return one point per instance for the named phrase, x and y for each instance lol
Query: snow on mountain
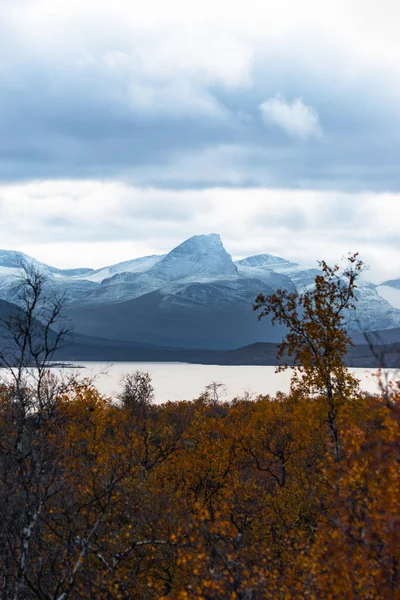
(214, 292)
(200, 255)
(303, 279)
(12, 262)
(373, 311)
(197, 275)
(137, 265)
(6, 272)
(122, 287)
(71, 272)
(292, 273)
(274, 280)
(198, 259)
(377, 307)
(265, 261)
(394, 283)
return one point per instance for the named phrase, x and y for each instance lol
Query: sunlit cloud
(295, 118)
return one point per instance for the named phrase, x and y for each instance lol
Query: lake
(181, 381)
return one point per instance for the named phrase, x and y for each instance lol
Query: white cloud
(366, 28)
(93, 223)
(213, 42)
(170, 74)
(295, 118)
(174, 59)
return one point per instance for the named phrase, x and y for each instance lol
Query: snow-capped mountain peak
(202, 255)
(12, 259)
(13, 262)
(197, 274)
(136, 265)
(265, 261)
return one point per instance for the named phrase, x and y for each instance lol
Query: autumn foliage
(246, 499)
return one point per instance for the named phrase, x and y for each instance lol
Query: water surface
(181, 381)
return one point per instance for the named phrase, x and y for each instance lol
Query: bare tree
(30, 335)
(214, 391)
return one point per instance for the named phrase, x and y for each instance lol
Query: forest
(292, 496)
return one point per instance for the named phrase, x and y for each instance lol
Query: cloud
(296, 119)
(91, 223)
(169, 94)
(89, 210)
(127, 127)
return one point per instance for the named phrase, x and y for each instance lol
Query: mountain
(84, 349)
(376, 309)
(287, 275)
(197, 315)
(12, 261)
(13, 328)
(196, 296)
(394, 283)
(193, 296)
(137, 265)
(66, 281)
(199, 256)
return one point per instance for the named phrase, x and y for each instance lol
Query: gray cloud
(122, 131)
(138, 108)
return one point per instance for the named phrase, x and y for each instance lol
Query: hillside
(195, 296)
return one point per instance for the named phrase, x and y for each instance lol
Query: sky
(126, 127)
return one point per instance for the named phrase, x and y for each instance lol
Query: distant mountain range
(195, 296)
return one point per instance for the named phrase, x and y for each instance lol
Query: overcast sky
(127, 126)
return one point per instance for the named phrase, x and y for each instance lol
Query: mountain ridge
(194, 295)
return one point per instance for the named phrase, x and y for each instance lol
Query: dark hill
(176, 320)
